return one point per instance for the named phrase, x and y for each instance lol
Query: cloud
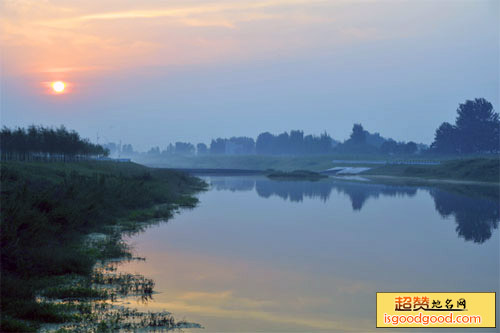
(194, 10)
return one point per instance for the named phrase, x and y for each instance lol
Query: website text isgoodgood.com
(425, 320)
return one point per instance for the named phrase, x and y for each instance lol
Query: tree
(358, 135)
(40, 143)
(154, 151)
(297, 141)
(410, 148)
(184, 148)
(218, 146)
(201, 149)
(445, 139)
(127, 149)
(389, 147)
(264, 144)
(240, 145)
(477, 124)
(476, 130)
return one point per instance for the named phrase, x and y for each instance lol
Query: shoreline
(79, 213)
(430, 180)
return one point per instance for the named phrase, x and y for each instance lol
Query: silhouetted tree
(476, 130)
(201, 149)
(239, 146)
(218, 146)
(41, 143)
(358, 135)
(184, 148)
(410, 148)
(264, 144)
(446, 139)
(294, 143)
(478, 126)
(389, 147)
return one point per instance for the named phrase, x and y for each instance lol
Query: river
(301, 256)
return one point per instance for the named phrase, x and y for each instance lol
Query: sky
(154, 72)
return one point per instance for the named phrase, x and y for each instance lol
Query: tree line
(476, 130)
(46, 144)
(291, 143)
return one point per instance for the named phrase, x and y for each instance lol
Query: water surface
(264, 255)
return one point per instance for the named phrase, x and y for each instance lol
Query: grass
(469, 168)
(47, 210)
(246, 162)
(283, 163)
(477, 169)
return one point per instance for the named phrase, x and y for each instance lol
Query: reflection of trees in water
(476, 217)
(294, 191)
(357, 192)
(476, 210)
(360, 192)
(240, 183)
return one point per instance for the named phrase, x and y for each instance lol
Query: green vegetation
(478, 169)
(286, 163)
(296, 175)
(257, 162)
(47, 211)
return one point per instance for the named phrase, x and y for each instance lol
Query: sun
(58, 86)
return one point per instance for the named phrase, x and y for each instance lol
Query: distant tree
(358, 135)
(281, 144)
(127, 149)
(297, 142)
(264, 143)
(169, 150)
(446, 139)
(154, 151)
(389, 147)
(410, 148)
(112, 147)
(357, 142)
(294, 143)
(392, 147)
(374, 139)
(184, 148)
(218, 146)
(201, 149)
(240, 145)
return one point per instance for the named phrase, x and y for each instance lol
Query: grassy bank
(259, 162)
(47, 211)
(249, 162)
(479, 170)
(470, 168)
(284, 163)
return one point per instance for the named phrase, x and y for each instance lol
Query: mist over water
(310, 256)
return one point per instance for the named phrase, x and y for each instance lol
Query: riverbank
(48, 211)
(296, 175)
(450, 168)
(484, 170)
(317, 163)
